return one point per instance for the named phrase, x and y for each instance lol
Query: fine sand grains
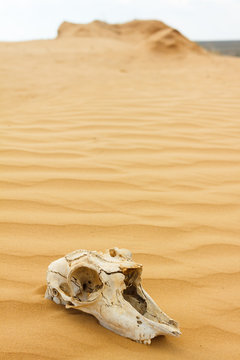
(103, 146)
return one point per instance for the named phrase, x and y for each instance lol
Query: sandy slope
(104, 145)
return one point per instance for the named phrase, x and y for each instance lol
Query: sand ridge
(147, 35)
(101, 147)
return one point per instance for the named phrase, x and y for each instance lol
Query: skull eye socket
(85, 283)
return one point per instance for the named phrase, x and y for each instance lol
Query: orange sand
(128, 140)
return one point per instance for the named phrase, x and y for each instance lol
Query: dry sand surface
(123, 136)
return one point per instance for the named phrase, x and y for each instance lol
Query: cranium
(108, 286)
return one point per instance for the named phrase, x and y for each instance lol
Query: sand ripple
(100, 151)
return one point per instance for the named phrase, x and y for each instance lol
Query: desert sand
(122, 136)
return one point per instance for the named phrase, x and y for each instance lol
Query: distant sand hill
(145, 34)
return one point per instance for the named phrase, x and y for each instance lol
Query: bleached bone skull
(108, 286)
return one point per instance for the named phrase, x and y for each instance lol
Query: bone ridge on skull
(108, 286)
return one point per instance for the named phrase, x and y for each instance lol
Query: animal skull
(108, 286)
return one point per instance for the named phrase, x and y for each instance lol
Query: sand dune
(147, 35)
(105, 143)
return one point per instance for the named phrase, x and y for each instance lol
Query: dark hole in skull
(132, 293)
(135, 296)
(85, 281)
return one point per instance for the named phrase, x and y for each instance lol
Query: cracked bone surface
(108, 286)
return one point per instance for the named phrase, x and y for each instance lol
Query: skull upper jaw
(131, 312)
(124, 307)
(128, 322)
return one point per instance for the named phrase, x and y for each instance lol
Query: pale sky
(197, 19)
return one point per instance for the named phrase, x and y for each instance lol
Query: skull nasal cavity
(133, 293)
